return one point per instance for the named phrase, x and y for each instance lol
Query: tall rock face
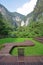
(37, 14)
(28, 18)
(38, 10)
(11, 18)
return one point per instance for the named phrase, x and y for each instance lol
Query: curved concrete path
(7, 59)
(5, 51)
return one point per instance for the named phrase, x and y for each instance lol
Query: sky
(21, 6)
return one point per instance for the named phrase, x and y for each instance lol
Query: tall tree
(3, 27)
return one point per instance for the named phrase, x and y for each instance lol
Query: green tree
(4, 30)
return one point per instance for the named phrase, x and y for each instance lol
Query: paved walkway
(30, 60)
(7, 59)
(21, 59)
(5, 51)
(40, 39)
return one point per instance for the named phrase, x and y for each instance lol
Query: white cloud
(27, 7)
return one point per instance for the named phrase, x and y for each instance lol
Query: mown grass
(11, 40)
(28, 51)
(35, 50)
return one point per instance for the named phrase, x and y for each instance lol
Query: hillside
(38, 11)
(11, 18)
(19, 25)
(34, 21)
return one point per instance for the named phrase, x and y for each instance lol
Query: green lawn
(28, 51)
(11, 40)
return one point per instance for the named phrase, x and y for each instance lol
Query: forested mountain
(38, 11)
(37, 14)
(35, 23)
(11, 18)
(14, 24)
